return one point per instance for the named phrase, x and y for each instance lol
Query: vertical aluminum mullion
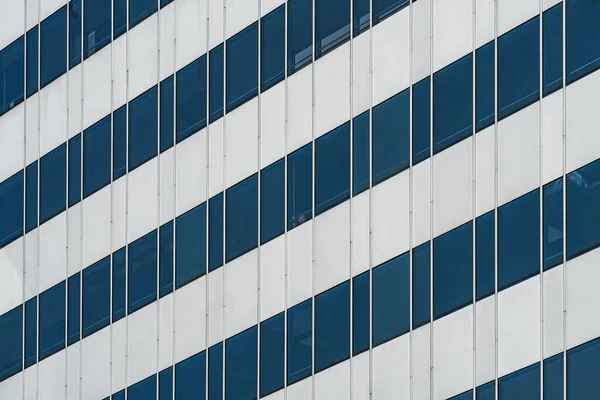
(313, 197)
(207, 202)
(112, 217)
(174, 199)
(224, 186)
(81, 242)
(431, 205)
(158, 199)
(285, 197)
(39, 195)
(370, 192)
(66, 231)
(127, 202)
(351, 192)
(474, 195)
(541, 190)
(259, 161)
(410, 201)
(496, 199)
(24, 203)
(564, 195)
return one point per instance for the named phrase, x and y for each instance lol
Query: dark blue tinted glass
(190, 246)
(143, 128)
(332, 25)
(118, 284)
(189, 378)
(96, 297)
(191, 98)
(583, 213)
(73, 308)
(120, 17)
(96, 157)
(553, 378)
(242, 67)
(164, 3)
(464, 396)
(391, 299)
(519, 239)
(119, 142)
(96, 25)
(32, 61)
(299, 186)
(31, 196)
(74, 170)
(299, 34)
(553, 223)
(272, 48)
(215, 372)
(272, 201)
(216, 81)
(552, 48)
(485, 259)
(583, 38)
(421, 280)
(166, 259)
(332, 326)
(143, 390)
(299, 339)
(384, 8)
(361, 312)
(12, 75)
(53, 183)
(74, 33)
(11, 209)
(241, 359)
(487, 391)
(523, 384)
(362, 13)
(141, 278)
(215, 232)
(118, 396)
(52, 320)
(53, 47)
(241, 221)
(421, 121)
(165, 384)
(453, 103)
(332, 169)
(518, 68)
(484, 86)
(272, 337)
(583, 363)
(30, 332)
(167, 109)
(391, 137)
(139, 10)
(361, 153)
(11, 342)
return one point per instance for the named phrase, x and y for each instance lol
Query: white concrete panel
(269, 5)
(332, 90)
(11, 275)
(485, 340)
(53, 251)
(512, 13)
(53, 115)
(12, 388)
(421, 205)
(391, 43)
(240, 14)
(272, 278)
(190, 319)
(95, 366)
(360, 376)
(519, 326)
(453, 353)
(332, 247)
(190, 31)
(167, 188)
(31, 264)
(143, 200)
(279, 395)
(272, 120)
(241, 293)
(167, 41)
(421, 40)
(390, 223)
(361, 75)
(75, 100)
(360, 233)
(583, 298)
(215, 23)
(452, 187)
(119, 93)
(301, 390)
(30, 384)
(143, 56)
(241, 142)
(142, 354)
(583, 117)
(32, 133)
(299, 105)
(215, 306)
(48, 7)
(552, 136)
(11, 20)
(484, 173)
(215, 158)
(452, 31)
(518, 154)
(74, 239)
(334, 382)
(119, 355)
(553, 311)
(421, 354)
(32, 11)
(52, 379)
(165, 332)
(391, 370)
(299, 263)
(484, 14)
(190, 171)
(12, 135)
(96, 226)
(97, 86)
(119, 214)
(73, 381)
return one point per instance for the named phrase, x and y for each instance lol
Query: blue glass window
(53, 183)
(241, 358)
(332, 326)
(272, 48)
(96, 25)
(30, 332)
(165, 384)
(190, 246)
(120, 17)
(11, 343)
(52, 320)
(299, 34)
(553, 378)
(468, 395)
(421, 121)
(31, 196)
(74, 33)
(485, 86)
(362, 14)
(361, 153)
(215, 232)
(583, 38)
(583, 363)
(552, 49)
(74, 170)
(191, 98)
(96, 157)
(361, 294)
(299, 186)
(384, 8)
(272, 201)
(332, 169)
(96, 297)
(583, 213)
(53, 47)
(12, 75)
(187, 384)
(73, 302)
(486, 391)
(242, 67)
(522, 384)
(553, 223)
(215, 372)
(332, 25)
(518, 68)
(164, 3)
(119, 142)
(120, 395)
(391, 137)
(216, 81)
(241, 221)
(11, 209)
(118, 284)
(453, 103)
(519, 239)
(166, 259)
(32, 61)
(139, 10)
(421, 280)
(299, 340)
(485, 258)
(391, 299)
(143, 390)
(143, 128)
(167, 110)
(141, 266)
(272, 337)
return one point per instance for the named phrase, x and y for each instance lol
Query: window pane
(391, 301)
(384, 8)
(189, 378)
(299, 34)
(96, 157)
(118, 284)
(215, 372)
(272, 201)
(74, 33)
(464, 396)
(241, 355)
(487, 391)
(519, 240)
(583, 38)
(12, 75)
(141, 279)
(74, 170)
(143, 128)
(332, 164)
(583, 363)
(164, 3)
(552, 48)
(52, 320)
(216, 71)
(299, 339)
(361, 16)
(421, 121)
(518, 68)
(120, 17)
(421, 278)
(32, 61)
(143, 390)
(553, 378)
(485, 257)
(53, 47)
(272, 48)
(167, 108)
(73, 308)
(119, 142)
(190, 246)
(191, 98)
(31, 318)
(242, 67)
(11, 209)
(553, 223)
(391, 140)
(139, 10)
(361, 153)
(272, 337)
(96, 25)
(120, 395)
(332, 25)
(299, 186)
(485, 86)
(96, 297)
(165, 384)
(215, 233)
(166, 259)
(53, 183)
(241, 221)
(361, 295)
(332, 326)
(31, 197)
(523, 384)
(11, 342)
